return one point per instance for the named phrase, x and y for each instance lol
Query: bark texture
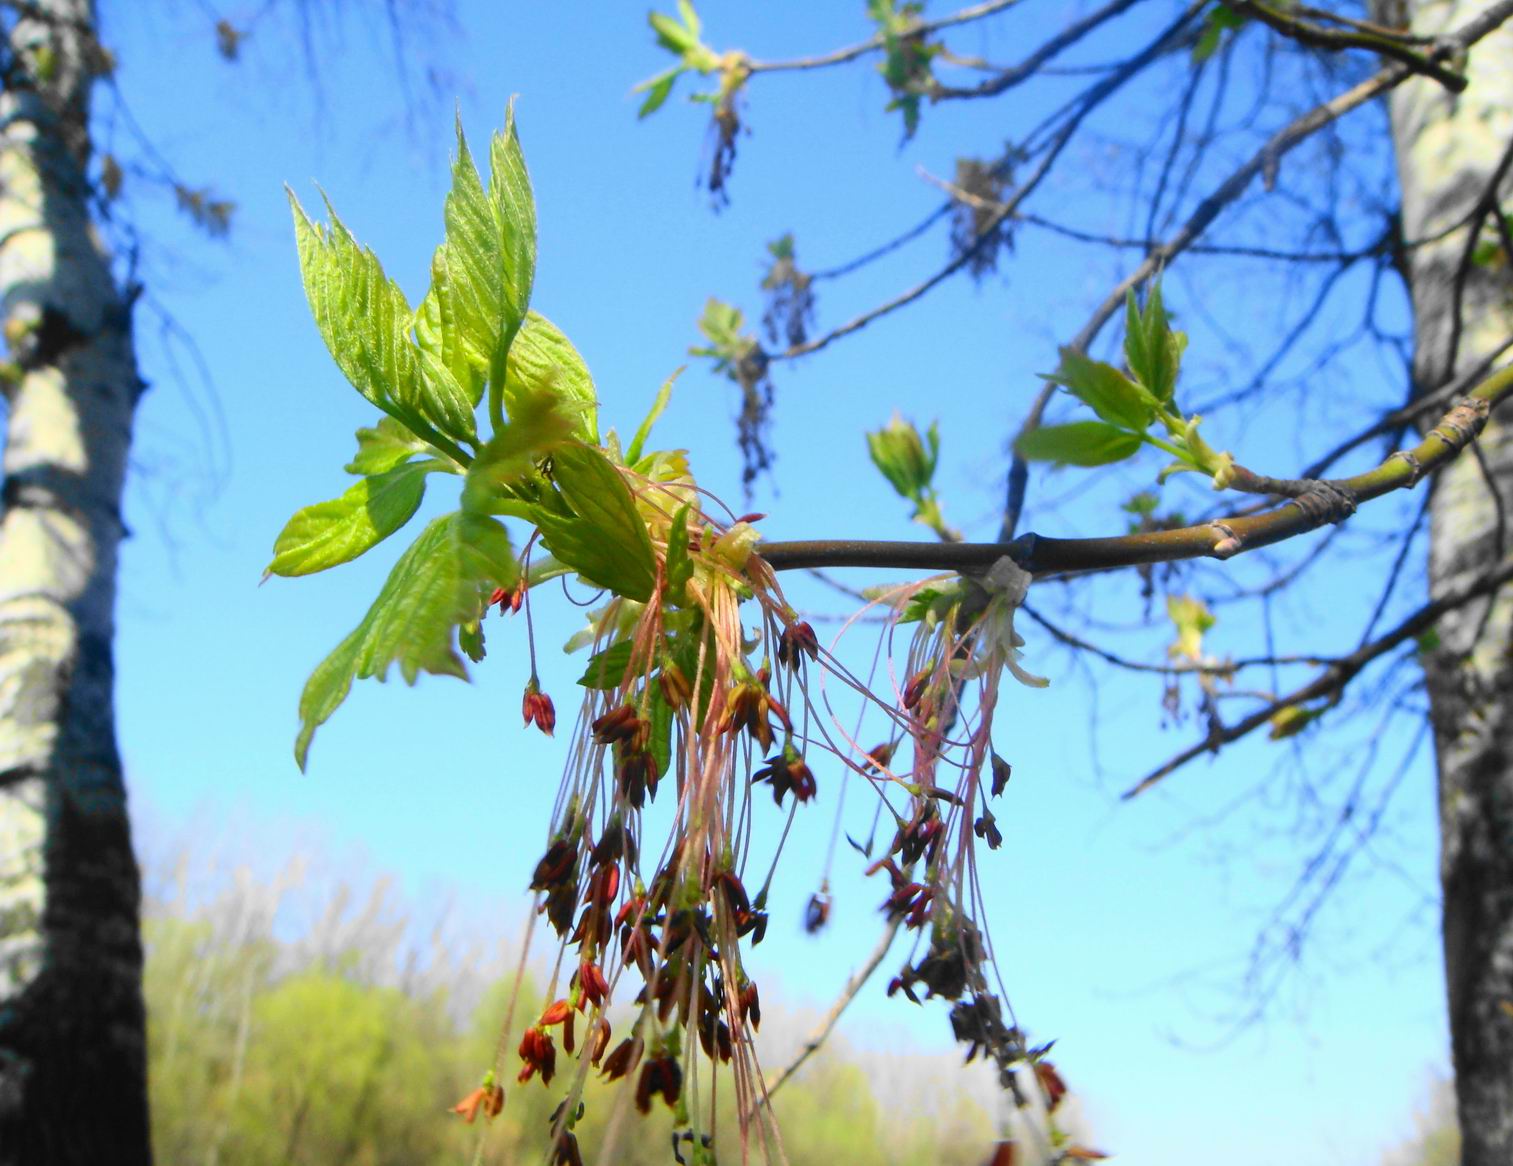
(1449, 149)
(72, 1031)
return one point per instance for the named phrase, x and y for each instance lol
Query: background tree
(72, 1041)
(1266, 146)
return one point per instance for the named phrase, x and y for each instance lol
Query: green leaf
(542, 359)
(496, 480)
(690, 18)
(679, 565)
(1153, 350)
(671, 35)
(436, 585)
(384, 446)
(361, 314)
(659, 741)
(657, 89)
(1081, 443)
(1192, 618)
(603, 537)
(337, 531)
(664, 394)
(1107, 391)
(482, 275)
(606, 670)
(470, 640)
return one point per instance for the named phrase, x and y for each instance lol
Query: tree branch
(1332, 680)
(1221, 538)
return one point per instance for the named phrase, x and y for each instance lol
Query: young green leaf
(607, 669)
(659, 741)
(542, 359)
(1153, 350)
(1080, 443)
(361, 313)
(899, 452)
(1107, 391)
(436, 585)
(384, 446)
(500, 477)
(657, 89)
(671, 35)
(643, 431)
(329, 533)
(482, 274)
(679, 565)
(602, 537)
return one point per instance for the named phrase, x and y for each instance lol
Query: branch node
(1325, 502)
(1466, 419)
(1229, 545)
(1415, 467)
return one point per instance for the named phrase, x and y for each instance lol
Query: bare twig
(1329, 683)
(816, 1039)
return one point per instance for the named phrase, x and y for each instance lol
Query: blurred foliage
(293, 1036)
(1436, 1137)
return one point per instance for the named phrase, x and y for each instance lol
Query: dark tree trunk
(73, 1083)
(1449, 149)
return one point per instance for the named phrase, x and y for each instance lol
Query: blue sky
(1123, 930)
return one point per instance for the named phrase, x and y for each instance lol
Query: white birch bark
(72, 1047)
(1448, 148)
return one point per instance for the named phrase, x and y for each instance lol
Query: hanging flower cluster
(703, 688)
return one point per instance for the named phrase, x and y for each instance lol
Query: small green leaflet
(602, 537)
(657, 90)
(660, 739)
(1081, 443)
(607, 669)
(499, 479)
(542, 359)
(435, 586)
(664, 394)
(329, 533)
(898, 451)
(679, 564)
(383, 447)
(1153, 350)
(1107, 391)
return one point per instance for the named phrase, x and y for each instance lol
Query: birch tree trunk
(1448, 149)
(72, 1045)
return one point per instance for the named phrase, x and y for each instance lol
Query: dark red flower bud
(556, 1012)
(537, 709)
(914, 691)
(817, 913)
(598, 1040)
(797, 641)
(623, 1060)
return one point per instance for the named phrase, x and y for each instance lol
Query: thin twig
(821, 1033)
(1333, 679)
(872, 45)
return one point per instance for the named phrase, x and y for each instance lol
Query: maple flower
(538, 1055)
(788, 774)
(797, 641)
(659, 1075)
(537, 709)
(488, 1097)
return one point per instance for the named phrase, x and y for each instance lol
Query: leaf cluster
(1129, 403)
